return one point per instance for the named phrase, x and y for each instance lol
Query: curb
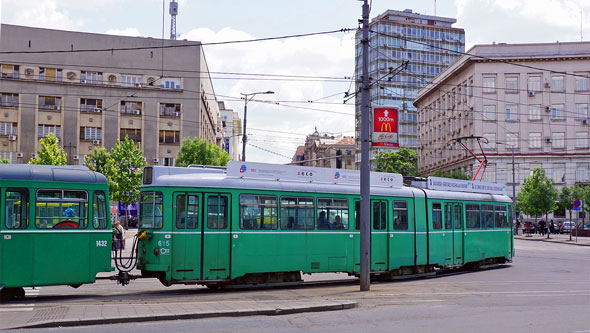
(559, 241)
(263, 311)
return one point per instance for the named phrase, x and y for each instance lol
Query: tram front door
(186, 237)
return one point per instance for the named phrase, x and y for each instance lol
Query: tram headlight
(156, 251)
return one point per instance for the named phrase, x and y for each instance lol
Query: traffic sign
(577, 203)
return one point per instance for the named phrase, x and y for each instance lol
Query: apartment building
(326, 151)
(530, 100)
(396, 37)
(232, 129)
(91, 90)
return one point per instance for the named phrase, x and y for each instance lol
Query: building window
(559, 172)
(489, 84)
(90, 133)
(512, 140)
(534, 112)
(169, 161)
(557, 83)
(90, 105)
(10, 71)
(128, 107)
(7, 129)
(511, 85)
(583, 172)
(511, 112)
(489, 112)
(557, 112)
(534, 140)
(582, 82)
(534, 83)
(558, 140)
(49, 103)
(128, 80)
(90, 77)
(170, 83)
(582, 111)
(44, 130)
(50, 74)
(582, 139)
(170, 110)
(534, 166)
(169, 136)
(9, 100)
(491, 141)
(132, 133)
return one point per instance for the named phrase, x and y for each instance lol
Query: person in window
(338, 223)
(291, 223)
(323, 222)
(69, 212)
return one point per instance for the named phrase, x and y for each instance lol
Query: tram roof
(66, 173)
(216, 178)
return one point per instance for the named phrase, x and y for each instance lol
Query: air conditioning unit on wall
(96, 142)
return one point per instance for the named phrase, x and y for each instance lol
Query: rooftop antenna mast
(434, 7)
(173, 10)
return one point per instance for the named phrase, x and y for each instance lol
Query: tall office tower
(427, 44)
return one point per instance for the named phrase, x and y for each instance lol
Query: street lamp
(247, 98)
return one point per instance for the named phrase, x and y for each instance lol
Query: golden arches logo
(385, 127)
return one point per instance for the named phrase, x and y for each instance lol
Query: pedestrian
(552, 227)
(542, 226)
(516, 227)
(119, 235)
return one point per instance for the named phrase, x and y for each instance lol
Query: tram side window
(487, 214)
(449, 217)
(379, 215)
(500, 216)
(436, 216)
(472, 214)
(99, 210)
(400, 215)
(217, 212)
(61, 209)
(258, 212)
(357, 215)
(297, 213)
(17, 208)
(332, 214)
(458, 217)
(150, 210)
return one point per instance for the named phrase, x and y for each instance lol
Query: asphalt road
(546, 289)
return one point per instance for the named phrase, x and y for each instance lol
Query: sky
(277, 127)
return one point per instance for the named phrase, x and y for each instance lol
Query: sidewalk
(556, 238)
(79, 315)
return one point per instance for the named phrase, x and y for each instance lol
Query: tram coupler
(123, 278)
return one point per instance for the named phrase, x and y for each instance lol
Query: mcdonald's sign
(384, 127)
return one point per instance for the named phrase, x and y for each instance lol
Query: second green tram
(54, 226)
(203, 226)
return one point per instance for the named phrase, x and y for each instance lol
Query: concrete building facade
(232, 130)
(527, 99)
(396, 37)
(154, 91)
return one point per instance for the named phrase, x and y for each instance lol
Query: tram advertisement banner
(385, 127)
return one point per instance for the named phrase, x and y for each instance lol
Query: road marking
(491, 292)
(17, 308)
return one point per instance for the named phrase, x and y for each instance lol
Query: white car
(568, 226)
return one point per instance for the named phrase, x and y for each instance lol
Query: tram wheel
(75, 286)
(164, 282)
(8, 294)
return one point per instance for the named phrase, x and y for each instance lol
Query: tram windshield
(150, 210)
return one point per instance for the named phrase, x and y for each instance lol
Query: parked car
(568, 226)
(528, 228)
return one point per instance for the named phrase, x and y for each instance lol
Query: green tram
(54, 226)
(253, 224)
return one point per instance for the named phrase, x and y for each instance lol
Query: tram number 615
(101, 243)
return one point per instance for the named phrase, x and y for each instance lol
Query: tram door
(186, 237)
(379, 235)
(216, 237)
(458, 234)
(448, 234)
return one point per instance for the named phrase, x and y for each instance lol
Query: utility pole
(247, 98)
(365, 272)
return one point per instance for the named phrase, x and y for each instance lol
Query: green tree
(199, 151)
(126, 164)
(567, 196)
(51, 153)
(99, 161)
(403, 161)
(537, 195)
(453, 174)
(4, 161)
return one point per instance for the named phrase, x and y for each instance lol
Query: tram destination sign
(385, 127)
(448, 184)
(308, 174)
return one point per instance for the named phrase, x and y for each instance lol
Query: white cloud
(325, 55)
(131, 32)
(521, 21)
(40, 13)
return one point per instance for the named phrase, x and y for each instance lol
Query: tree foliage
(199, 151)
(100, 161)
(453, 174)
(537, 195)
(126, 164)
(51, 153)
(583, 193)
(4, 161)
(403, 161)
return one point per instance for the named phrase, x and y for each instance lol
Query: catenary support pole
(365, 272)
(244, 138)
(513, 190)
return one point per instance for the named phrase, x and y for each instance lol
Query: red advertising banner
(385, 127)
